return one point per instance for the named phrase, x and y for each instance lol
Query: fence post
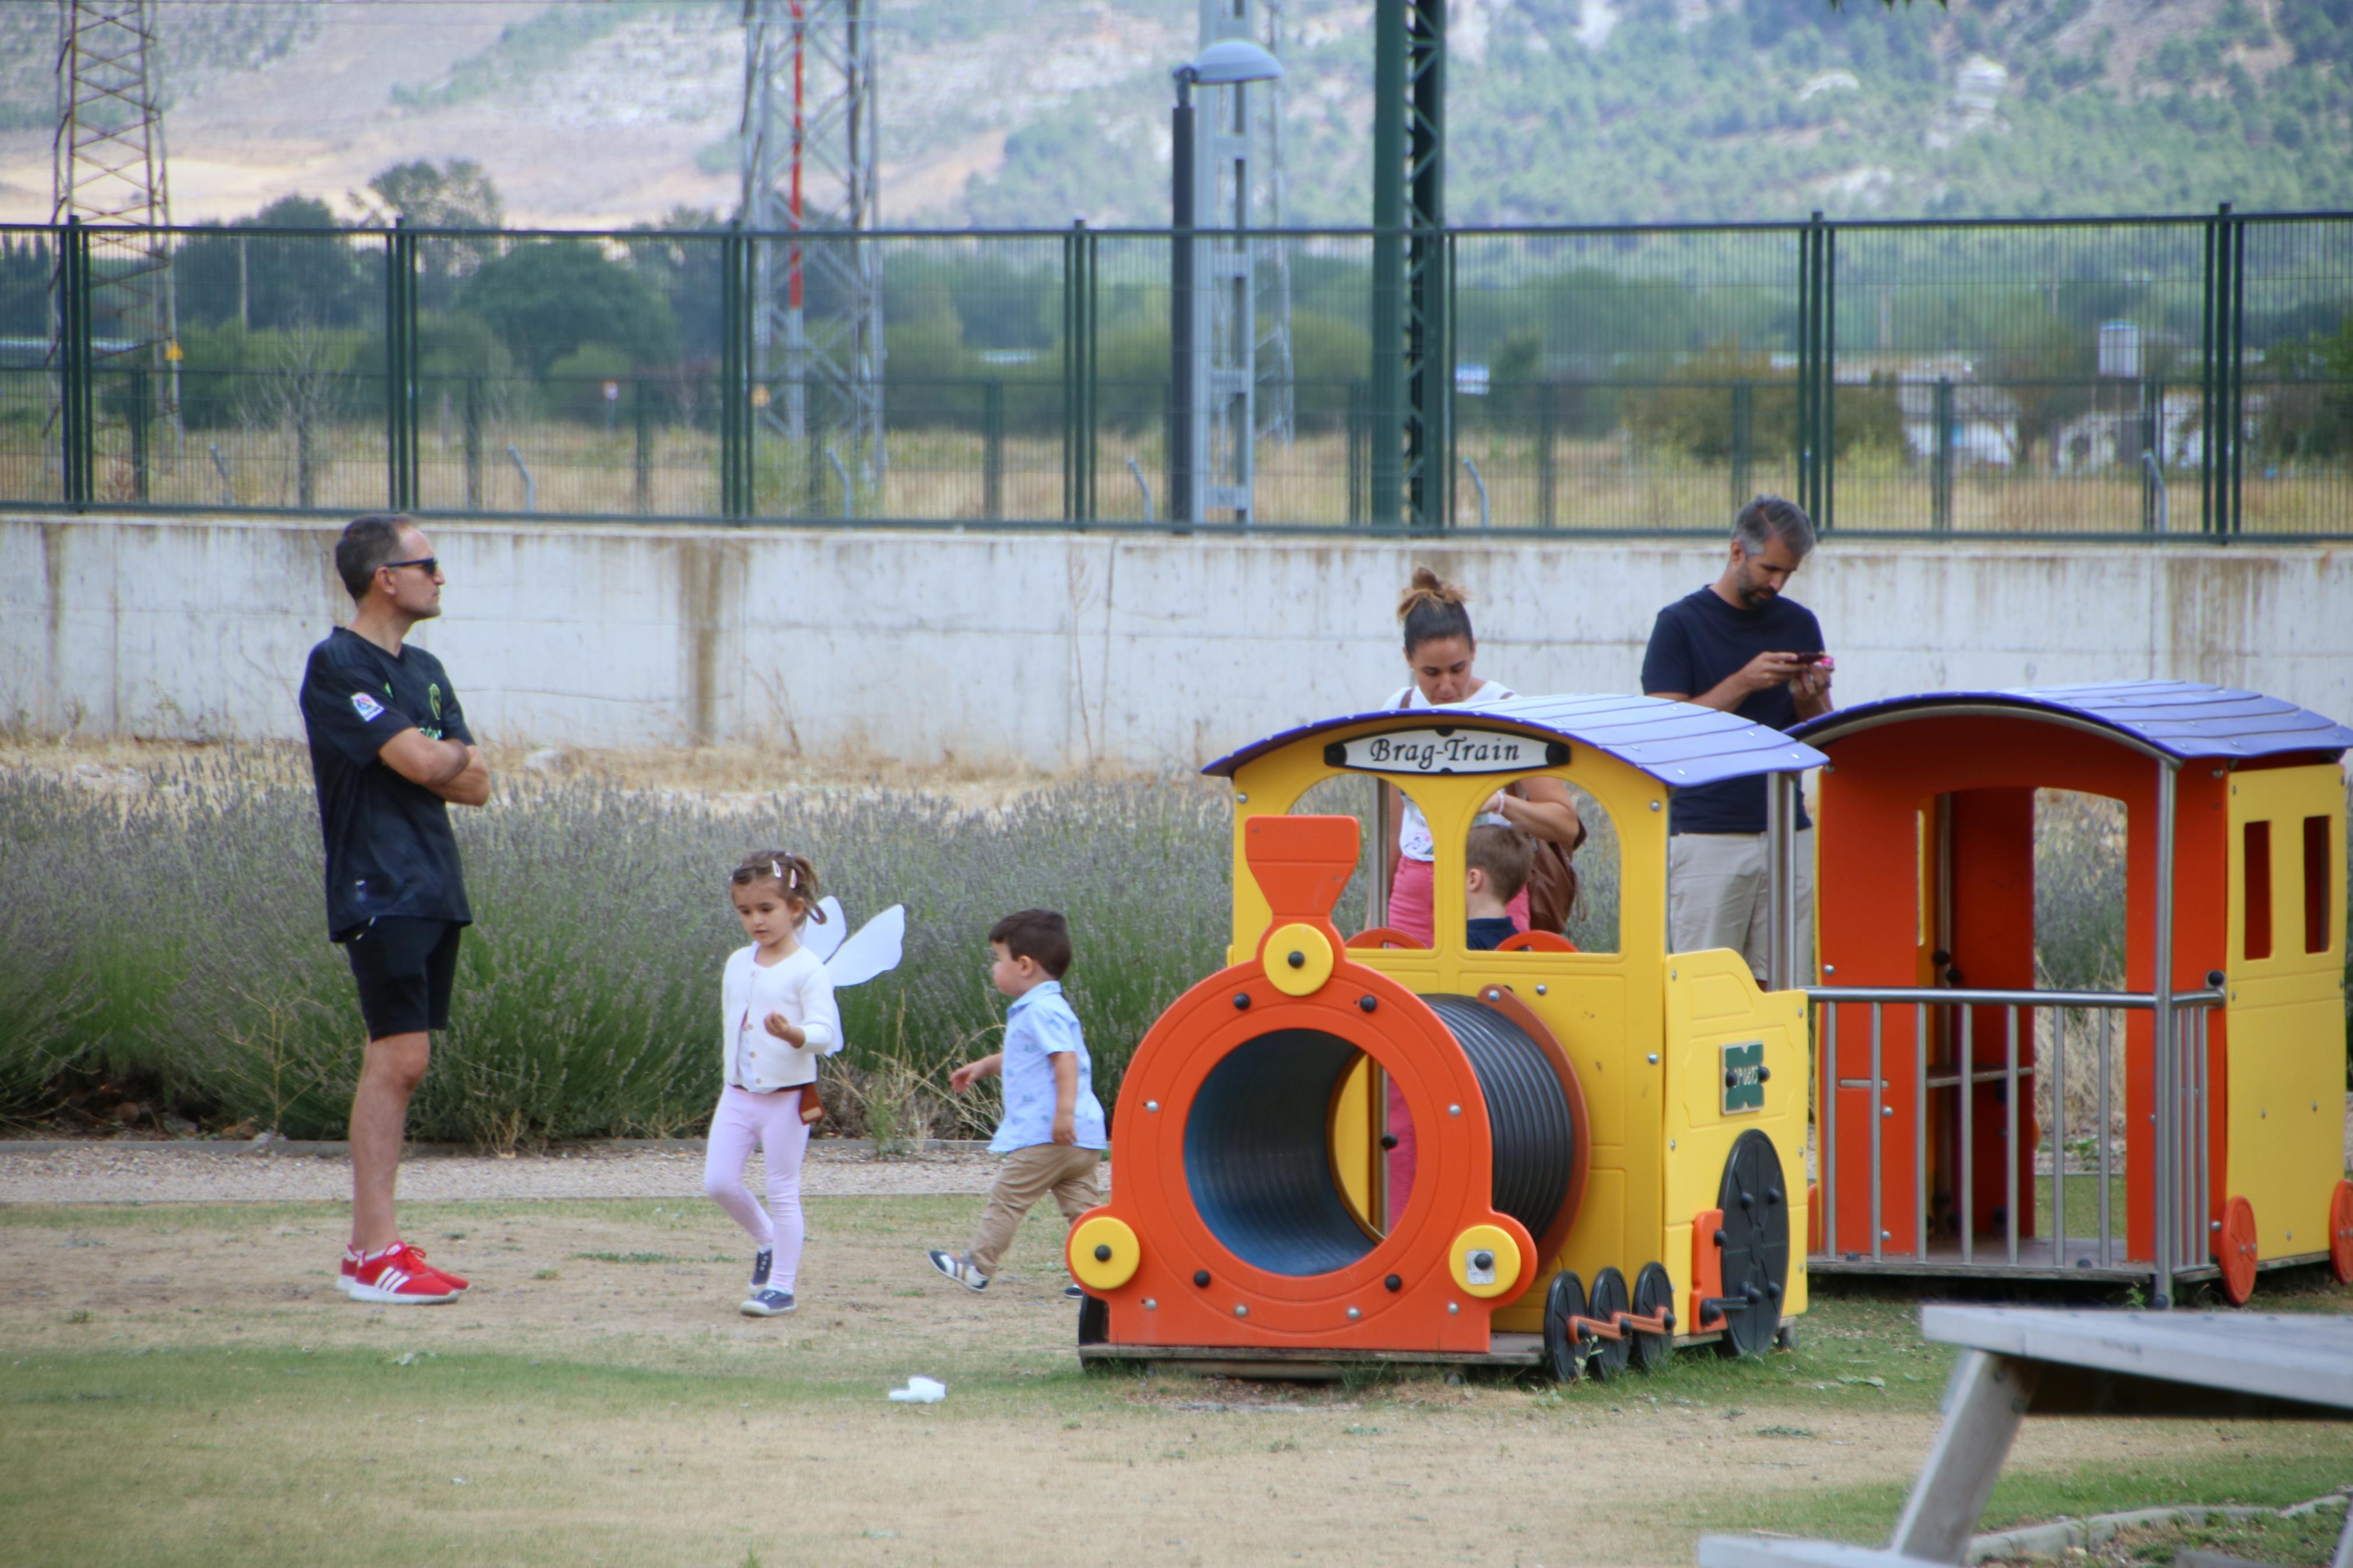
(1070, 409)
(1547, 460)
(641, 415)
(734, 409)
(473, 442)
(400, 366)
(992, 449)
(2152, 449)
(139, 411)
(1357, 419)
(1826, 455)
(2235, 365)
(1808, 365)
(2218, 385)
(76, 407)
(1743, 424)
(1941, 506)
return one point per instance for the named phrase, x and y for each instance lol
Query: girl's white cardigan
(800, 989)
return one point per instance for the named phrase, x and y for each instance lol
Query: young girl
(777, 1017)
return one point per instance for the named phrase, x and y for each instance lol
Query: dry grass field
(596, 1399)
(937, 475)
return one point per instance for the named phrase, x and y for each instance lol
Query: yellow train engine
(1607, 1144)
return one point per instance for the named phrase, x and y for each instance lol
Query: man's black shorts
(404, 968)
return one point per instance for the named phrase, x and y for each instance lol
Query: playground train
(1348, 1146)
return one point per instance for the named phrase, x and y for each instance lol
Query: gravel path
(115, 1173)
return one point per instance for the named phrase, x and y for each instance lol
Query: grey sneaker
(767, 1303)
(762, 1261)
(958, 1268)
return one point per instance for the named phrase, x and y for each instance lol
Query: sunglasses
(431, 564)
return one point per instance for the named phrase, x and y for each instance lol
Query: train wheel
(2340, 1233)
(2235, 1251)
(1756, 1246)
(1654, 1297)
(1094, 1320)
(1564, 1348)
(1609, 1357)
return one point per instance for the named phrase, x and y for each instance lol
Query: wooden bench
(2017, 1360)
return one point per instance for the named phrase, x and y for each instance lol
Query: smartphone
(1809, 657)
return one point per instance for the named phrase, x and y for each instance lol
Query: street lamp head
(1227, 62)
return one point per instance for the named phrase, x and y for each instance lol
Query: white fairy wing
(823, 940)
(875, 950)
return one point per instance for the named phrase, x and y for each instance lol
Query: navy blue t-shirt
(1485, 934)
(1698, 641)
(389, 847)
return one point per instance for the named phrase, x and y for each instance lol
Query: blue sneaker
(768, 1303)
(762, 1261)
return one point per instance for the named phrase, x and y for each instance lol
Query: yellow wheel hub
(1104, 1253)
(1485, 1261)
(1298, 959)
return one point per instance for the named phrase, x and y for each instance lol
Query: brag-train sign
(1446, 749)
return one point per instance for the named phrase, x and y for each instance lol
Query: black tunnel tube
(1258, 1151)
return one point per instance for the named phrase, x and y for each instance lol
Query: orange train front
(1606, 1140)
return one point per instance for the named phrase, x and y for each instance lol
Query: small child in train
(1497, 858)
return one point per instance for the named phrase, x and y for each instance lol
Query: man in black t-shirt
(389, 750)
(1738, 644)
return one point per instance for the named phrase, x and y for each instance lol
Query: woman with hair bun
(1440, 653)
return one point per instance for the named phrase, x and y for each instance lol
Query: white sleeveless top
(1414, 839)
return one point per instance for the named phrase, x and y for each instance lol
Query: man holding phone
(1740, 645)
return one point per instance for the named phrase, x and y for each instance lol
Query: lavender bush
(170, 934)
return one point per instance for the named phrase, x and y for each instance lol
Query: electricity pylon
(109, 167)
(811, 189)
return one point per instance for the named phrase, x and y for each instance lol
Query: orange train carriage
(1609, 1143)
(2189, 1127)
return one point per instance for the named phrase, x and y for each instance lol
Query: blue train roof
(1678, 744)
(2179, 718)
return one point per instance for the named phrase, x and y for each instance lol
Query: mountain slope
(1029, 112)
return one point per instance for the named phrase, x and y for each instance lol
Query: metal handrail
(2141, 1001)
(2178, 1147)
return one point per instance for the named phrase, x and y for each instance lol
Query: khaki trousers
(1718, 896)
(1030, 1174)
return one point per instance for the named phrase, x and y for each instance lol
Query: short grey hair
(1768, 518)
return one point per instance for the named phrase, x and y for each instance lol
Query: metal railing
(2177, 1141)
(1991, 378)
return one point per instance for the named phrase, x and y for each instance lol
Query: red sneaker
(418, 1252)
(399, 1275)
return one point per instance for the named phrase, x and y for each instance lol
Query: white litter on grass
(921, 1391)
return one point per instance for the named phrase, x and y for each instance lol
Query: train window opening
(2315, 884)
(2079, 891)
(2256, 861)
(1350, 795)
(1591, 924)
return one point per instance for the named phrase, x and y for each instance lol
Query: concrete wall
(1064, 651)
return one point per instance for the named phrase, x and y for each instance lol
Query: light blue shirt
(1037, 1026)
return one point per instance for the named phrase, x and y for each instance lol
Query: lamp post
(1226, 63)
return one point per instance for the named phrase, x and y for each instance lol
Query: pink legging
(771, 1122)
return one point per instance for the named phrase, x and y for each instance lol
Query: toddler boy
(1052, 1131)
(1497, 860)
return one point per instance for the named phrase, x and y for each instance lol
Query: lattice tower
(1276, 418)
(108, 168)
(812, 182)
